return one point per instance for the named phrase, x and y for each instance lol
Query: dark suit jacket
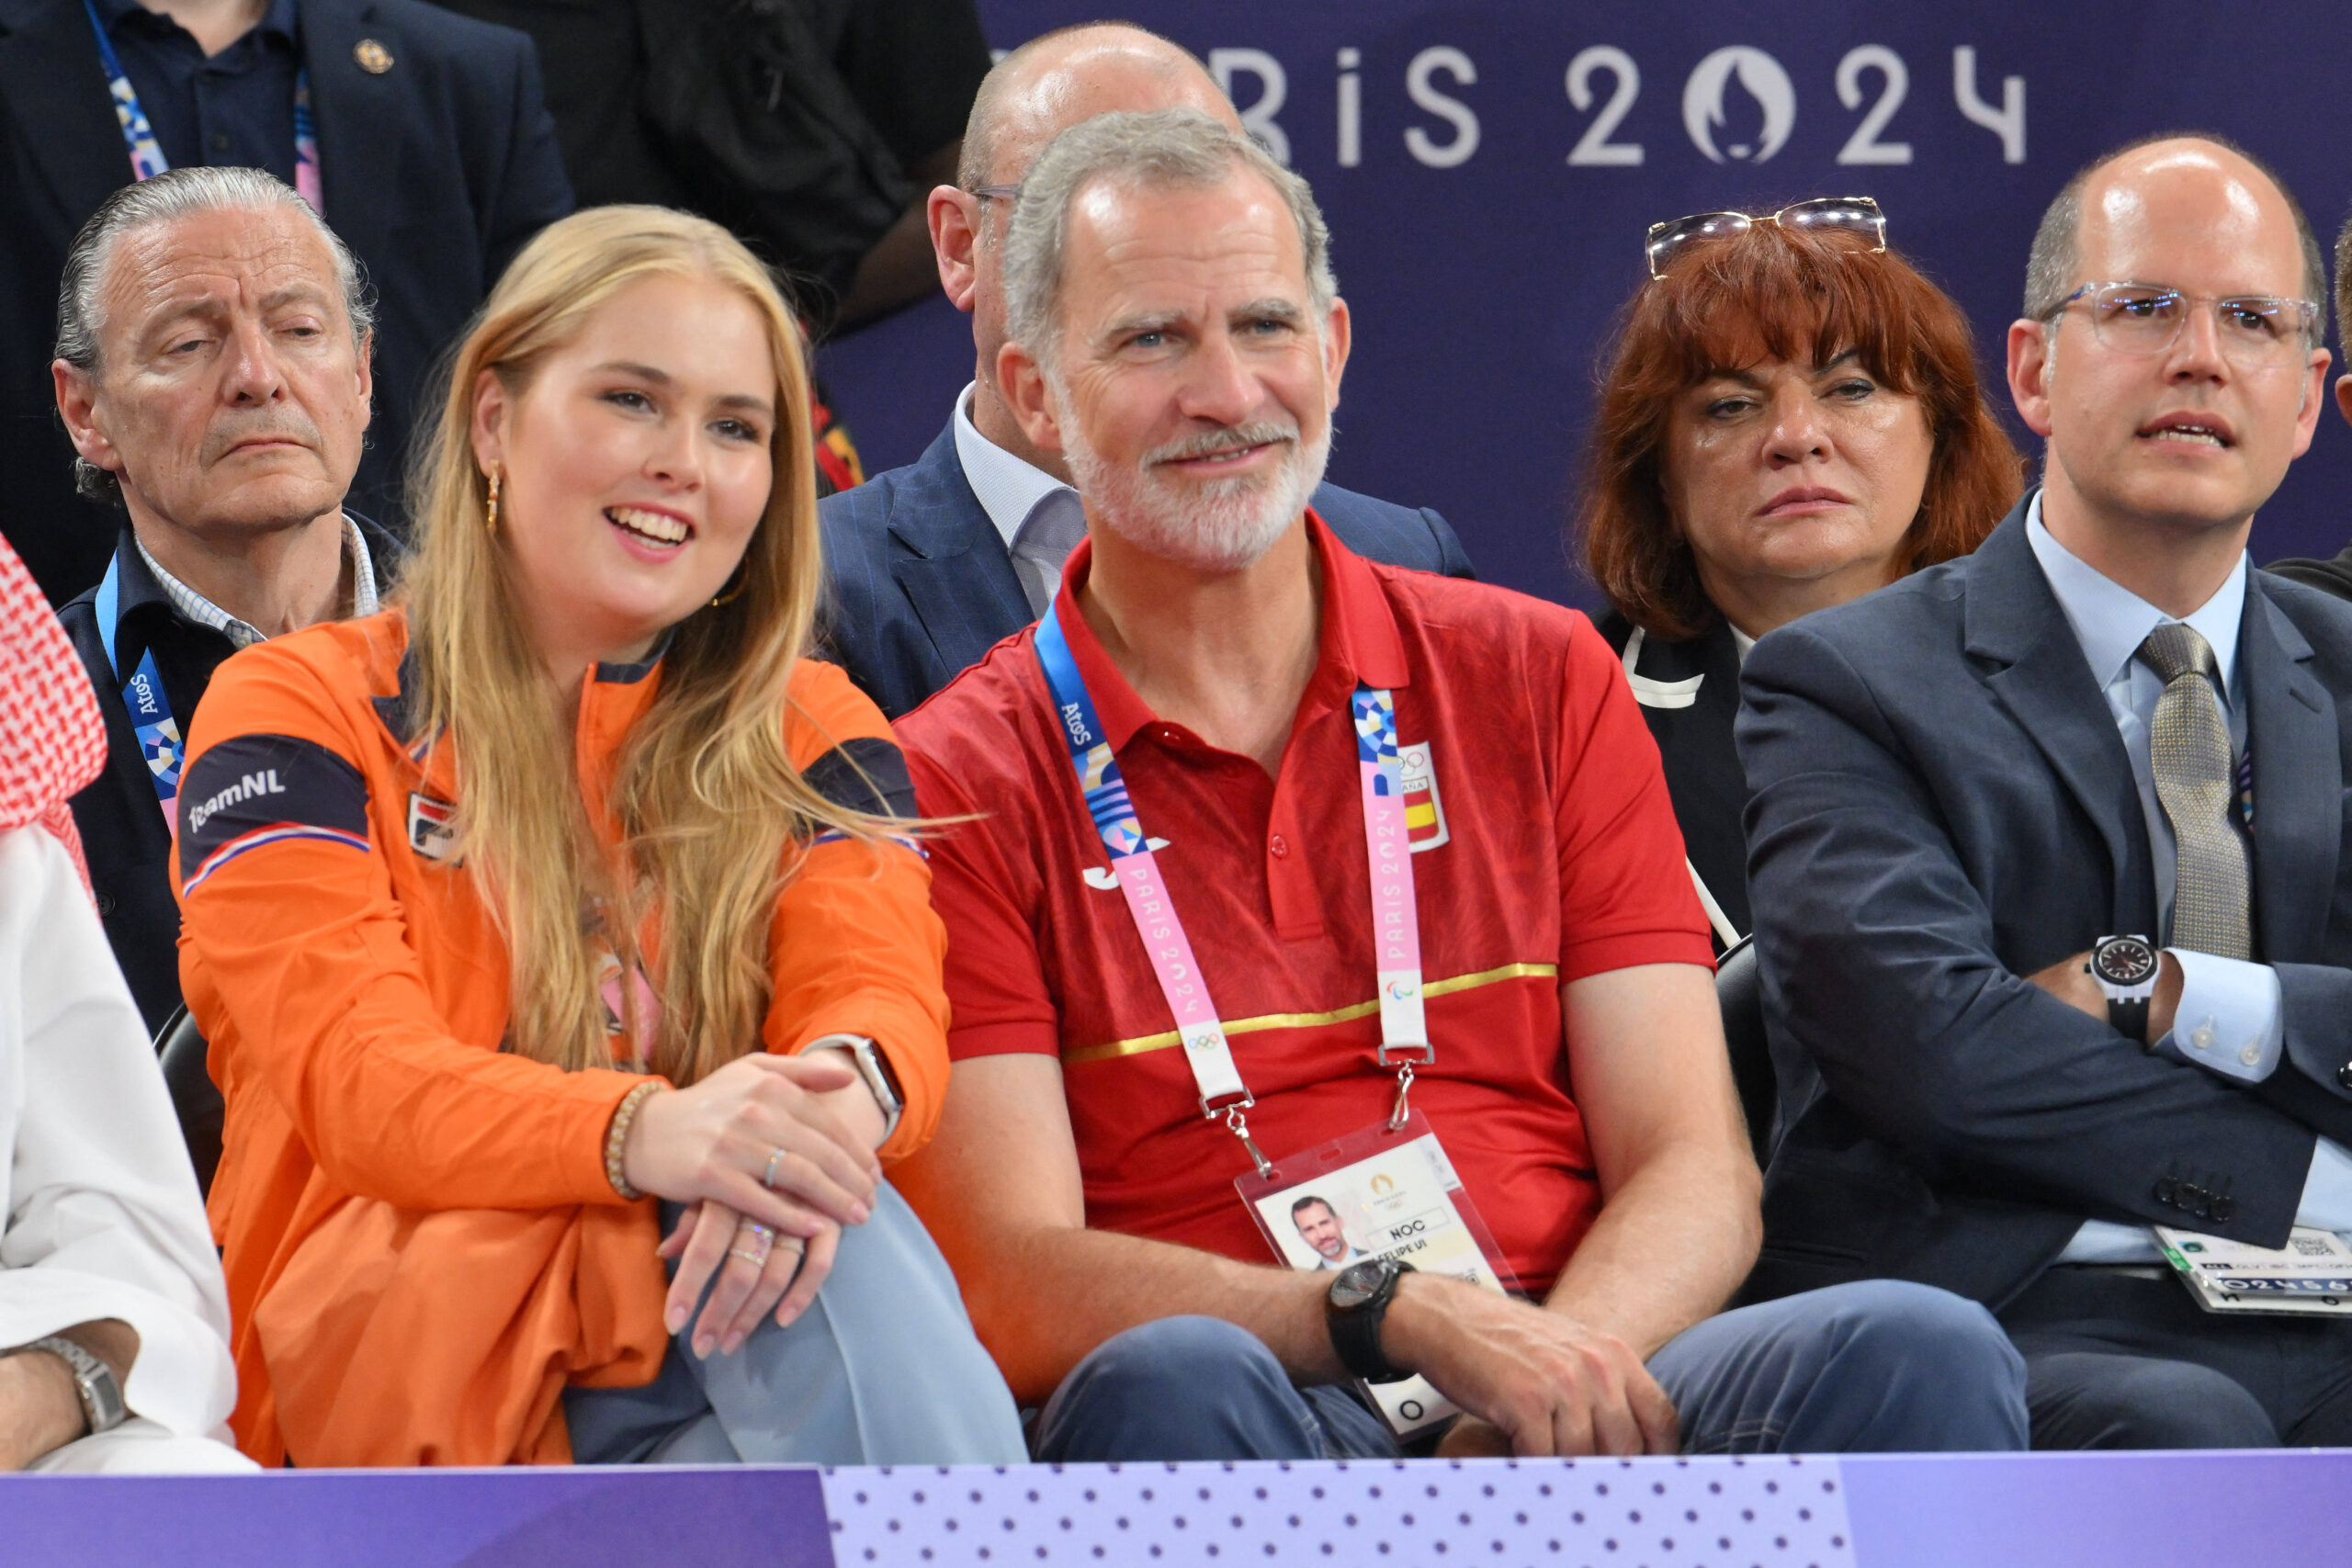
(921, 583)
(1692, 729)
(123, 834)
(435, 173)
(1942, 806)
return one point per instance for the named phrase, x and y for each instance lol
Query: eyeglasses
(2254, 330)
(1855, 214)
(996, 193)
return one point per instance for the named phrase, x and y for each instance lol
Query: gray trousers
(882, 1369)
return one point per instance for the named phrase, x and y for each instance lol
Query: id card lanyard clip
(1404, 1026)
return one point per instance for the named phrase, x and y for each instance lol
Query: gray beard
(1220, 526)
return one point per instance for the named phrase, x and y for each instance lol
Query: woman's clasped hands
(772, 1156)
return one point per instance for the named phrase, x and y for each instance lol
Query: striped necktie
(2211, 907)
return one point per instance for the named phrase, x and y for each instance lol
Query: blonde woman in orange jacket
(565, 904)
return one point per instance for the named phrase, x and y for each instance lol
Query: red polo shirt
(1546, 851)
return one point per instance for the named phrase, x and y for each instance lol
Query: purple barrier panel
(1787, 1513)
(2068, 1510)
(735, 1517)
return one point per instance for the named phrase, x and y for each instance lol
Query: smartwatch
(101, 1396)
(2126, 968)
(1357, 1302)
(872, 1067)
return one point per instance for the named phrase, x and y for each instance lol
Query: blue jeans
(1882, 1366)
(882, 1369)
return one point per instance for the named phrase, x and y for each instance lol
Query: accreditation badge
(2309, 1277)
(1378, 1193)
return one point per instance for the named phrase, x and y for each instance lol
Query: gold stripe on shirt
(1349, 1014)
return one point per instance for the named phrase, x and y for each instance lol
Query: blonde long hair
(706, 797)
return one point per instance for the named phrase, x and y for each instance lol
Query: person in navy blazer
(436, 159)
(933, 563)
(1960, 786)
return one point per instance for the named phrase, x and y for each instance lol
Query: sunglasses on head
(1856, 214)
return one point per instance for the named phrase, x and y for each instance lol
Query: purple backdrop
(1483, 267)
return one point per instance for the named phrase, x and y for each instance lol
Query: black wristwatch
(1359, 1299)
(2126, 968)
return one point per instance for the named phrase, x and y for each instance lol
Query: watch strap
(874, 1068)
(2129, 1018)
(1356, 1330)
(94, 1382)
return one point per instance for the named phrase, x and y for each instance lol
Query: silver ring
(768, 1179)
(763, 1232)
(756, 1259)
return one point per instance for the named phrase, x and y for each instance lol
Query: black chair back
(1740, 993)
(196, 1098)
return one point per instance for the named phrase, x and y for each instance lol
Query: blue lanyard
(147, 158)
(143, 695)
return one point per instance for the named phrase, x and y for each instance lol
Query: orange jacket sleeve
(296, 949)
(855, 948)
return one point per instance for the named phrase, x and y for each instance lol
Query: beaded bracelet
(616, 1138)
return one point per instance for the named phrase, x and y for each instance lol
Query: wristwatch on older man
(2126, 968)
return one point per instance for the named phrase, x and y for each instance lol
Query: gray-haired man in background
(212, 371)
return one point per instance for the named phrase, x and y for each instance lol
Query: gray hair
(2056, 256)
(1167, 149)
(165, 199)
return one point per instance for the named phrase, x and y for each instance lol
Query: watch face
(1358, 1283)
(2124, 960)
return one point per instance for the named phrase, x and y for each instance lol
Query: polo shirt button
(1280, 845)
(220, 142)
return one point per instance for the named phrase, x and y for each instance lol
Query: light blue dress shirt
(1039, 517)
(2230, 1021)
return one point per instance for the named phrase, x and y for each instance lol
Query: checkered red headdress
(51, 739)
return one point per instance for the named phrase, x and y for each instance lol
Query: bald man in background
(2053, 876)
(934, 563)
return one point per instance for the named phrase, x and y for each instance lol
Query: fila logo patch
(429, 830)
(1104, 879)
(1424, 813)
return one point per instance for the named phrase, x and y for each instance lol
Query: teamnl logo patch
(431, 832)
(1424, 812)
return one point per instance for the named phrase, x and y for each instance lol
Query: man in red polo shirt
(1286, 879)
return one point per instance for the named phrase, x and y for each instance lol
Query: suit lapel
(358, 157)
(52, 86)
(2297, 783)
(2014, 620)
(955, 568)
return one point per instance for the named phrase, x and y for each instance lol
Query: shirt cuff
(2327, 1191)
(2230, 1020)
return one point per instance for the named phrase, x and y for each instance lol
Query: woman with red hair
(1790, 419)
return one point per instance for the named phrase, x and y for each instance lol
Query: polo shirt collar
(282, 19)
(1359, 640)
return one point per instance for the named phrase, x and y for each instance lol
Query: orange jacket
(421, 1243)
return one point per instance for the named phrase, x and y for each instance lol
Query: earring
(490, 513)
(732, 594)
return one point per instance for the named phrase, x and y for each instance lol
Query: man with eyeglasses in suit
(2048, 847)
